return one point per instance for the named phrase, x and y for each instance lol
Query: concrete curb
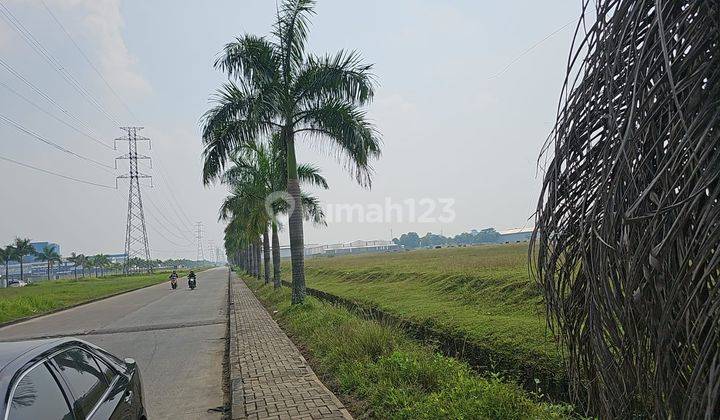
(237, 398)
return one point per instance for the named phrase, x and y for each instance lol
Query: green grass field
(47, 296)
(483, 293)
(380, 373)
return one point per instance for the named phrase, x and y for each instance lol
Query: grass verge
(381, 373)
(481, 294)
(48, 296)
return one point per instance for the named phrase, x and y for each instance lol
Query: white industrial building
(354, 247)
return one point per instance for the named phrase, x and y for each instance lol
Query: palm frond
(251, 57)
(239, 117)
(312, 209)
(310, 175)
(340, 76)
(627, 230)
(291, 31)
(345, 130)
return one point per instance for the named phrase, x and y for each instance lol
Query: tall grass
(380, 373)
(481, 293)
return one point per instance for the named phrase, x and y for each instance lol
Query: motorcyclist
(173, 279)
(191, 277)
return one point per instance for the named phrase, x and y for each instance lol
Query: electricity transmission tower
(136, 240)
(200, 254)
(213, 253)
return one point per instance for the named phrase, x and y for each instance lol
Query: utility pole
(200, 254)
(136, 240)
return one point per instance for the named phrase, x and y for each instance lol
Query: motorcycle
(192, 283)
(173, 283)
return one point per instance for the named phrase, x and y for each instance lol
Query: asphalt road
(177, 338)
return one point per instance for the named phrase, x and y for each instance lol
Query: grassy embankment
(47, 296)
(480, 293)
(380, 373)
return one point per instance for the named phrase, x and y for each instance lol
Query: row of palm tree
(256, 173)
(17, 251)
(278, 95)
(21, 248)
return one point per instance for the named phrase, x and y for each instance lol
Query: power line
(162, 213)
(25, 165)
(132, 114)
(532, 47)
(172, 195)
(89, 136)
(165, 237)
(53, 144)
(43, 94)
(38, 47)
(170, 231)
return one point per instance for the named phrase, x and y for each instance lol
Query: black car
(67, 379)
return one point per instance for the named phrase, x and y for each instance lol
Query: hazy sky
(452, 127)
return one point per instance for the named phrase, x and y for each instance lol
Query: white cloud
(101, 22)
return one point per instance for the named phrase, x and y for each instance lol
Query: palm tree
(48, 254)
(76, 260)
(22, 248)
(90, 265)
(7, 254)
(263, 167)
(83, 261)
(102, 262)
(277, 87)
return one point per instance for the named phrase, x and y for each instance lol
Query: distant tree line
(97, 265)
(412, 240)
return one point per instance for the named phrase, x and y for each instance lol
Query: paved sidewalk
(270, 378)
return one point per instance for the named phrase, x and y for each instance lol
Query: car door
(120, 402)
(37, 395)
(84, 378)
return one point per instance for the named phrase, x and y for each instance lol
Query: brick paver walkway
(270, 379)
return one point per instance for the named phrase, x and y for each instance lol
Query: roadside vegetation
(481, 293)
(380, 373)
(48, 296)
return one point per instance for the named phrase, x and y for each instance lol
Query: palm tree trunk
(7, 271)
(246, 260)
(295, 222)
(276, 256)
(258, 257)
(21, 268)
(250, 259)
(48, 270)
(251, 262)
(75, 272)
(266, 254)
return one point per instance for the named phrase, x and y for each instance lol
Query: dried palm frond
(628, 223)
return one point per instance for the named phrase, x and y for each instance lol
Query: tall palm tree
(264, 167)
(7, 254)
(48, 254)
(22, 249)
(276, 86)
